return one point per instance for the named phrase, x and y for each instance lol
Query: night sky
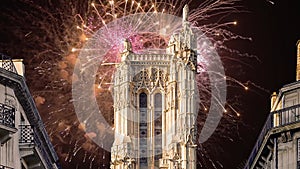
(273, 26)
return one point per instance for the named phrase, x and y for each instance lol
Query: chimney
(273, 99)
(298, 61)
(20, 68)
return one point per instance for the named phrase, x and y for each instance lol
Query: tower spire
(185, 14)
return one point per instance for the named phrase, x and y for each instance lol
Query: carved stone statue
(127, 46)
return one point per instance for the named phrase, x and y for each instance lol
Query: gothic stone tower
(155, 106)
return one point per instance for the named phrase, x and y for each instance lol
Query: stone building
(24, 143)
(278, 145)
(155, 105)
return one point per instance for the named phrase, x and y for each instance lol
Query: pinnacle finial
(185, 13)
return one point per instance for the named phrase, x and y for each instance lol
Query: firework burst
(51, 34)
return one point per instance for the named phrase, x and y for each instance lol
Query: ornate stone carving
(150, 78)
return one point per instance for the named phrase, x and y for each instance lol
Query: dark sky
(274, 27)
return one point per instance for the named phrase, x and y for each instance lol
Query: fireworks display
(51, 35)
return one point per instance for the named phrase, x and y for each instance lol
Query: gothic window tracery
(150, 79)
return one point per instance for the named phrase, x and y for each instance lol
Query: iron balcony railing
(5, 167)
(29, 136)
(7, 115)
(276, 119)
(7, 64)
(26, 134)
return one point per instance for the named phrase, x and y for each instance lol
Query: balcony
(5, 167)
(26, 135)
(7, 116)
(32, 151)
(7, 122)
(7, 64)
(288, 118)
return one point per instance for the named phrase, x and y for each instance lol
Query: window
(143, 128)
(143, 100)
(158, 125)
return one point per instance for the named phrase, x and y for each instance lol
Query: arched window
(143, 128)
(143, 100)
(158, 125)
(158, 100)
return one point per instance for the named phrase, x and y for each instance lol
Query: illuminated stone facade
(155, 106)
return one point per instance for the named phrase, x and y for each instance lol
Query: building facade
(24, 143)
(155, 106)
(278, 145)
